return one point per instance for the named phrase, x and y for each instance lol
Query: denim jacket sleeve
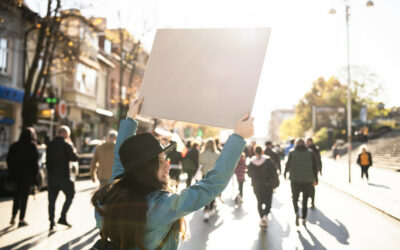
(167, 208)
(127, 128)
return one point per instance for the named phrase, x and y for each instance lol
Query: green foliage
(290, 128)
(321, 138)
(331, 93)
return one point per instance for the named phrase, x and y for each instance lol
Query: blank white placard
(204, 76)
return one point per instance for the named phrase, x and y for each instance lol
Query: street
(338, 222)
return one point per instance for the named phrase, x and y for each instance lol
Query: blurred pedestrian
(262, 171)
(289, 147)
(207, 159)
(22, 161)
(274, 156)
(138, 210)
(314, 148)
(240, 171)
(335, 151)
(102, 161)
(191, 162)
(365, 161)
(303, 171)
(175, 160)
(59, 153)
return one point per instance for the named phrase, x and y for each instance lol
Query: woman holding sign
(137, 209)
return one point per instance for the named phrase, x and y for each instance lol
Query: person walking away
(261, 170)
(59, 153)
(138, 210)
(191, 163)
(314, 148)
(302, 168)
(22, 161)
(289, 147)
(240, 171)
(365, 161)
(274, 156)
(207, 159)
(335, 151)
(102, 161)
(175, 160)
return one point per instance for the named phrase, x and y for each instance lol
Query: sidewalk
(382, 192)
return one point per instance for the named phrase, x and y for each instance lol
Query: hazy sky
(306, 42)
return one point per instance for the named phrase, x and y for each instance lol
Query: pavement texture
(381, 192)
(338, 222)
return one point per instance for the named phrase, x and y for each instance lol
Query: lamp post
(349, 132)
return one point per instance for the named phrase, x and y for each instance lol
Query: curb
(361, 200)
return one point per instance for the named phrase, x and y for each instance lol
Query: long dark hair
(123, 206)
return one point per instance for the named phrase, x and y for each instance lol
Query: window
(4, 55)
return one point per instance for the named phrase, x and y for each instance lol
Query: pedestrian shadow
(200, 231)
(239, 213)
(87, 189)
(70, 244)
(38, 238)
(379, 185)
(336, 229)
(316, 244)
(7, 230)
(271, 237)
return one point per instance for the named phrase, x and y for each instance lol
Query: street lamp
(349, 132)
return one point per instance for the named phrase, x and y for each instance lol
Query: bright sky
(306, 42)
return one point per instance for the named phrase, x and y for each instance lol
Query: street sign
(62, 109)
(204, 76)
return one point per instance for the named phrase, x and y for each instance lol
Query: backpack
(274, 178)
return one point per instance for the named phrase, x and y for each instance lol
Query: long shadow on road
(316, 244)
(70, 244)
(38, 238)
(272, 236)
(336, 229)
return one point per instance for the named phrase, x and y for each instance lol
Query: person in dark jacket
(260, 171)
(175, 159)
(274, 156)
(365, 161)
(303, 171)
(22, 161)
(317, 155)
(193, 155)
(59, 153)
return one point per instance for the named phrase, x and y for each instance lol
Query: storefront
(10, 119)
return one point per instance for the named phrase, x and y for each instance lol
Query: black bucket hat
(139, 149)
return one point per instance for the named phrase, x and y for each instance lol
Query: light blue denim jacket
(165, 208)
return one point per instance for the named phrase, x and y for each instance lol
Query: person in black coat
(260, 171)
(23, 166)
(193, 155)
(175, 159)
(274, 156)
(314, 148)
(59, 153)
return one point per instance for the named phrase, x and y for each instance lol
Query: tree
(47, 34)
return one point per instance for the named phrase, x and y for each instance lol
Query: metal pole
(51, 124)
(349, 132)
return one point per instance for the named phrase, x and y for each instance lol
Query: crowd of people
(140, 203)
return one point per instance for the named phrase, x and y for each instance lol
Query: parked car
(86, 156)
(42, 174)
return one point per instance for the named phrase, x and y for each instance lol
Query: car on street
(86, 156)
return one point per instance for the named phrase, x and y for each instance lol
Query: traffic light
(51, 100)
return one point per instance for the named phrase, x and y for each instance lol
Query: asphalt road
(338, 222)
